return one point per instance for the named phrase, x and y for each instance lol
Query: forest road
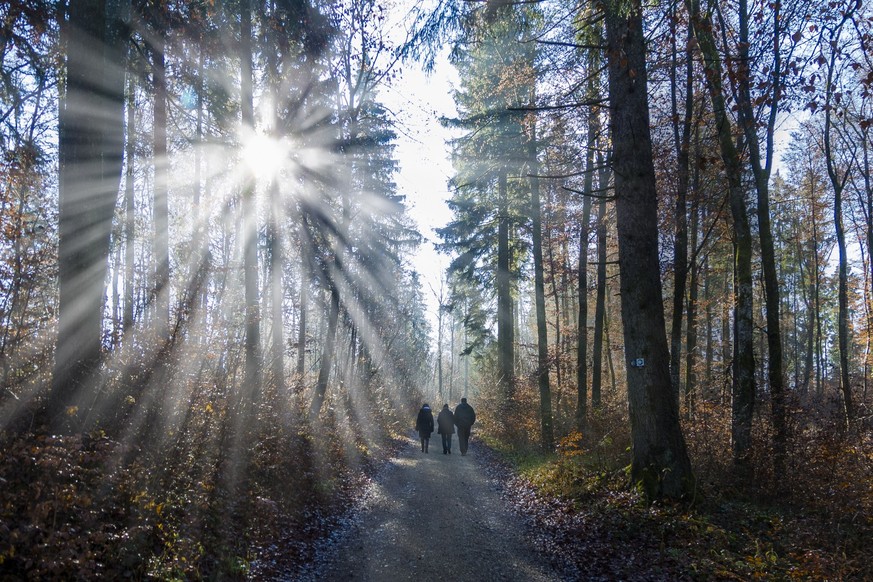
(436, 517)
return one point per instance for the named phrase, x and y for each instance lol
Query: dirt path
(434, 517)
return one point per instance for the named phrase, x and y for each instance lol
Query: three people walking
(463, 417)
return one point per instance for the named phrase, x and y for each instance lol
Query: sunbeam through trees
(215, 331)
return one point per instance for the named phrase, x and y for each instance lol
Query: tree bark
(743, 386)
(761, 170)
(691, 331)
(660, 460)
(129, 210)
(161, 242)
(839, 183)
(584, 230)
(250, 226)
(548, 437)
(327, 354)
(506, 360)
(599, 307)
(301, 325)
(90, 150)
(682, 141)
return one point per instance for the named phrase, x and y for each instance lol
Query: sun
(264, 156)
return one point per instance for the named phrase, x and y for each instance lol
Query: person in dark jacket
(424, 426)
(465, 416)
(446, 424)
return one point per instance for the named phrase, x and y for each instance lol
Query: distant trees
(489, 190)
(725, 78)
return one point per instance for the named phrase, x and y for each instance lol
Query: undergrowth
(814, 522)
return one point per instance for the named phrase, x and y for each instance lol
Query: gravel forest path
(435, 517)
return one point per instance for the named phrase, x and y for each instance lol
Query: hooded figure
(446, 422)
(424, 426)
(465, 416)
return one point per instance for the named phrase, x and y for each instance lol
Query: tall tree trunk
(726, 331)
(709, 352)
(584, 230)
(129, 210)
(301, 325)
(548, 437)
(506, 359)
(843, 301)
(743, 388)
(691, 331)
(761, 170)
(553, 279)
(682, 141)
(838, 184)
(660, 460)
(276, 240)
(867, 202)
(161, 240)
(327, 354)
(440, 315)
(277, 319)
(250, 224)
(90, 149)
(600, 305)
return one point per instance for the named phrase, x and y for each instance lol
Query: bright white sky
(418, 101)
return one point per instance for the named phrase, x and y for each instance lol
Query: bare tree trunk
(761, 170)
(301, 326)
(90, 148)
(506, 359)
(600, 305)
(743, 390)
(707, 301)
(277, 318)
(660, 460)
(161, 240)
(584, 230)
(548, 437)
(250, 225)
(691, 331)
(682, 141)
(839, 184)
(129, 211)
(327, 354)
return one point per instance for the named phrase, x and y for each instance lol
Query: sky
(419, 100)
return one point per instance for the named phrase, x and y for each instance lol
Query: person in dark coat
(446, 424)
(424, 426)
(465, 416)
